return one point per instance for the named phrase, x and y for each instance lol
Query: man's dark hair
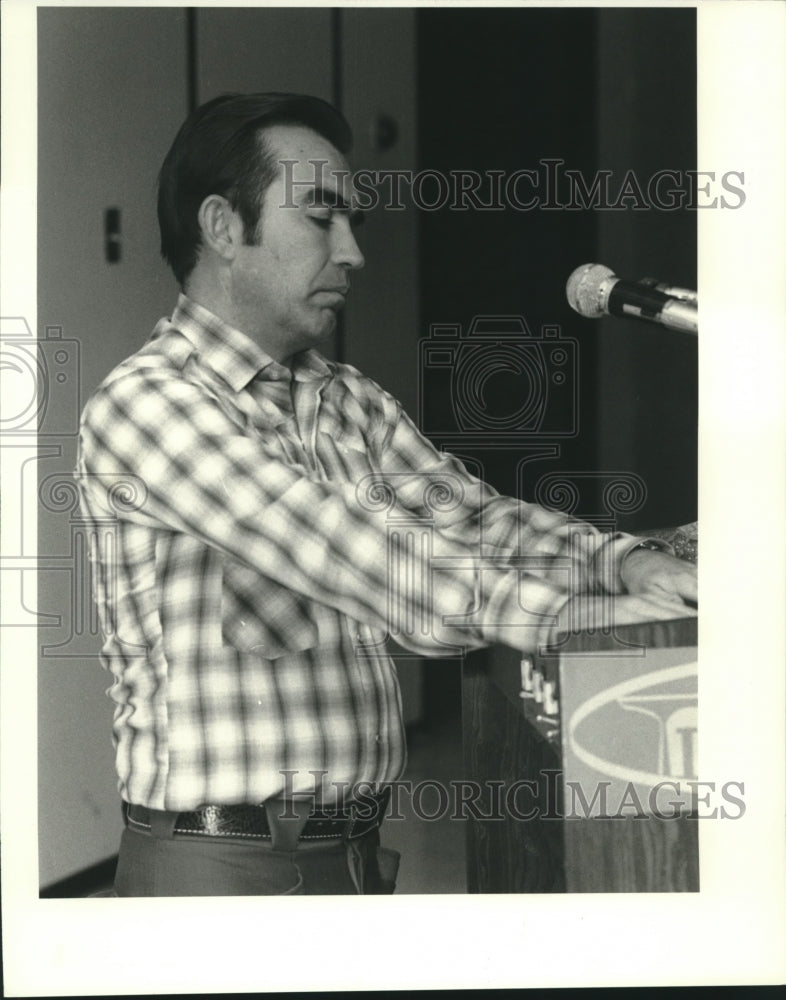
(220, 150)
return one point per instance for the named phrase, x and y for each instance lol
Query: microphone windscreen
(584, 289)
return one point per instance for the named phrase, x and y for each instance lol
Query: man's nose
(346, 251)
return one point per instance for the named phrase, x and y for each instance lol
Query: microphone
(594, 290)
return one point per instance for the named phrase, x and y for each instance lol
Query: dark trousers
(163, 863)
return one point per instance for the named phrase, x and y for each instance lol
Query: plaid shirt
(259, 532)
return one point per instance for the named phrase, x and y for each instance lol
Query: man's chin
(327, 327)
(319, 332)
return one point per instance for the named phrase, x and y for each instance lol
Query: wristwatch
(647, 543)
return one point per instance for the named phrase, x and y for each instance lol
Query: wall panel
(255, 49)
(111, 94)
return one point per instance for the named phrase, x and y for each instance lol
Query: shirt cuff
(518, 609)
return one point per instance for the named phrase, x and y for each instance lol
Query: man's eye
(322, 219)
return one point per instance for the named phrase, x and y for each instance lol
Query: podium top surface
(676, 632)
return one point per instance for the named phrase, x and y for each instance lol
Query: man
(257, 714)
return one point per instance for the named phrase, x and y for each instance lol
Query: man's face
(289, 289)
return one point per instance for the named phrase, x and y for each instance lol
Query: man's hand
(659, 575)
(583, 612)
(657, 587)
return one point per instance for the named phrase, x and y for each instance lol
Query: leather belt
(250, 822)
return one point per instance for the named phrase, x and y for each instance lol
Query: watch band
(647, 543)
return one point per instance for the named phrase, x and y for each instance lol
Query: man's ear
(221, 226)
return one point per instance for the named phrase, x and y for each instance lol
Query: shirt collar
(233, 355)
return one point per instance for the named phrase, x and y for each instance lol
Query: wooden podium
(584, 759)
